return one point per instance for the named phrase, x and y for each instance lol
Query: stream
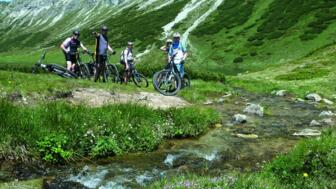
(217, 152)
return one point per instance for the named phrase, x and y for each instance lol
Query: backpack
(122, 55)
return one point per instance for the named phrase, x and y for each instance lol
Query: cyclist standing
(102, 48)
(70, 48)
(166, 47)
(127, 59)
(179, 51)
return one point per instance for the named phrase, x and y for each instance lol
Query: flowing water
(217, 152)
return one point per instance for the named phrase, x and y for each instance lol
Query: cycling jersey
(71, 45)
(127, 55)
(101, 45)
(178, 50)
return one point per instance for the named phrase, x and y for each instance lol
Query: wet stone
(329, 102)
(315, 123)
(327, 114)
(61, 184)
(254, 109)
(307, 132)
(247, 136)
(327, 122)
(314, 97)
(239, 119)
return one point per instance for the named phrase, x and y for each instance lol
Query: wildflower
(305, 174)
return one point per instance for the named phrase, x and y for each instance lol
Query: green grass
(48, 84)
(58, 132)
(311, 164)
(313, 73)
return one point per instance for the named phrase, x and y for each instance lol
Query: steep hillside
(251, 35)
(224, 36)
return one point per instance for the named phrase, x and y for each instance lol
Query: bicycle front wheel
(84, 71)
(140, 80)
(167, 82)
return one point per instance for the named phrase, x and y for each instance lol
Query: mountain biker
(127, 59)
(166, 47)
(102, 48)
(70, 48)
(179, 51)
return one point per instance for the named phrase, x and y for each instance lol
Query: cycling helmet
(104, 28)
(130, 43)
(177, 35)
(169, 41)
(76, 32)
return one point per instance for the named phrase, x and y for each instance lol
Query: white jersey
(127, 55)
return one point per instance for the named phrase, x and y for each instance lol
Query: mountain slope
(224, 36)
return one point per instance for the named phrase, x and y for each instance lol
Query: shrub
(106, 146)
(238, 60)
(53, 148)
(190, 122)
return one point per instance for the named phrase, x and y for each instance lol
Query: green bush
(53, 148)
(238, 60)
(313, 158)
(191, 122)
(106, 146)
(64, 131)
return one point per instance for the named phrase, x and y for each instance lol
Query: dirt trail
(100, 97)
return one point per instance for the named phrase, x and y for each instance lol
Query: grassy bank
(313, 73)
(311, 164)
(57, 132)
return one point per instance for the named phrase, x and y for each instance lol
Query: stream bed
(226, 148)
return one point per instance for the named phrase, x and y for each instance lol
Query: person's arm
(185, 53)
(163, 48)
(111, 49)
(83, 47)
(65, 44)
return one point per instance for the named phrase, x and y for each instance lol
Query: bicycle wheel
(112, 73)
(84, 71)
(186, 81)
(61, 71)
(167, 82)
(140, 80)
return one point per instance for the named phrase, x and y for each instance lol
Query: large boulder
(254, 109)
(314, 97)
(239, 119)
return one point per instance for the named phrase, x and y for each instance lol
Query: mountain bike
(168, 81)
(81, 69)
(110, 73)
(53, 68)
(137, 78)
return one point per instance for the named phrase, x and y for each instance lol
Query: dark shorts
(70, 57)
(124, 63)
(101, 59)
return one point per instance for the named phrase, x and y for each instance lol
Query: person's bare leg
(69, 65)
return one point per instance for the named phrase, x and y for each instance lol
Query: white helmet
(177, 35)
(130, 43)
(169, 41)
